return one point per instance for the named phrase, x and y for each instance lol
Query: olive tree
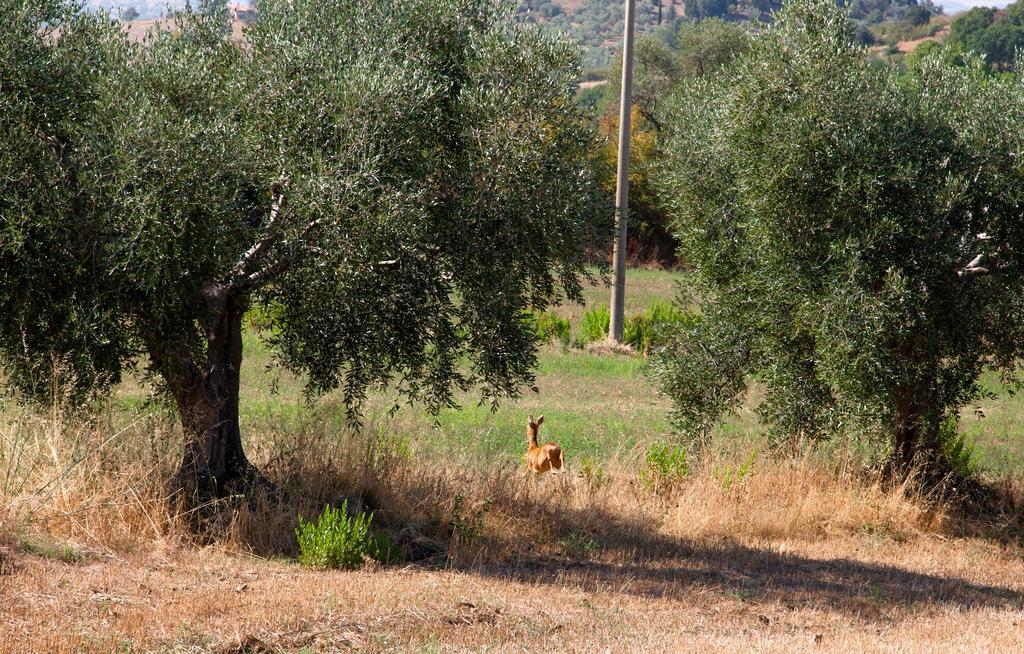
(857, 237)
(393, 184)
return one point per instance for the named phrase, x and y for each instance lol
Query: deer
(541, 458)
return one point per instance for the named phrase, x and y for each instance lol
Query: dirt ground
(934, 594)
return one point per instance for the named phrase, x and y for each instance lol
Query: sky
(954, 6)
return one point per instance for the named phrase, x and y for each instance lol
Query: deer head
(532, 428)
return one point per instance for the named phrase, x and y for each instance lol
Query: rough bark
(916, 437)
(207, 399)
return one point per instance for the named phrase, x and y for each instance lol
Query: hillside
(598, 24)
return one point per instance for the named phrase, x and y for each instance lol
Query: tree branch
(258, 276)
(243, 269)
(974, 267)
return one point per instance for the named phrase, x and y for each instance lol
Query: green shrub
(338, 540)
(957, 449)
(592, 470)
(549, 327)
(594, 325)
(382, 549)
(641, 331)
(579, 544)
(637, 331)
(666, 467)
(729, 476)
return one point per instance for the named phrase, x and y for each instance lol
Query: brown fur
(541, 458)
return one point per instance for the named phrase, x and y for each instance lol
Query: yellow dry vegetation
(742, 554)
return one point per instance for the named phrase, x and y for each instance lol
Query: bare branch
(243, 269)
(258, 276)
(974, 267)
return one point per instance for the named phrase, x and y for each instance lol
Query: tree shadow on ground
(631, 555)
(643, 563)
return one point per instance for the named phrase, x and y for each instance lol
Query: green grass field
(600, 407)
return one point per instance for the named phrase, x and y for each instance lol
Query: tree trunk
(916, 437)
(207, 399)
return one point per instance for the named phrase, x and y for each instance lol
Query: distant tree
(704, 48)
(997, 35)
(856, 239)
(706, 8)
(394, 188)
(129, 14)
(1000, 42)
(691, 49)
(967, 25)
(917, 15)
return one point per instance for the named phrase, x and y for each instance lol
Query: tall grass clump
(97, 477)
(798, 499)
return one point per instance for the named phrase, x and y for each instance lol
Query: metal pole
(622, 183)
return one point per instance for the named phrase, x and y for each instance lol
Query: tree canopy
(996, 34)
(393, 183)
(855, 233)
(687, 49)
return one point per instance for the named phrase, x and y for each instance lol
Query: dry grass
(859, 593)
(784, 556)
(798, 499)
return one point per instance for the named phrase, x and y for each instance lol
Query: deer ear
(530, 418)
(540, 420)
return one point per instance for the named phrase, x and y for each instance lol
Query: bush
(641, 330)
(666, 467)
(594, 325)
(549, 327)
(729, 476)
(957, 449)
(338, 540)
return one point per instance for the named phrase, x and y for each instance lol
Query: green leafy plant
(594, 325)
(337, 540)
(729, 476)
(641, 331)
(957, 449)
(51, 549)
(592, 470)
(580, 544)
(549, 327)
(667, 467)
(382, 549)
